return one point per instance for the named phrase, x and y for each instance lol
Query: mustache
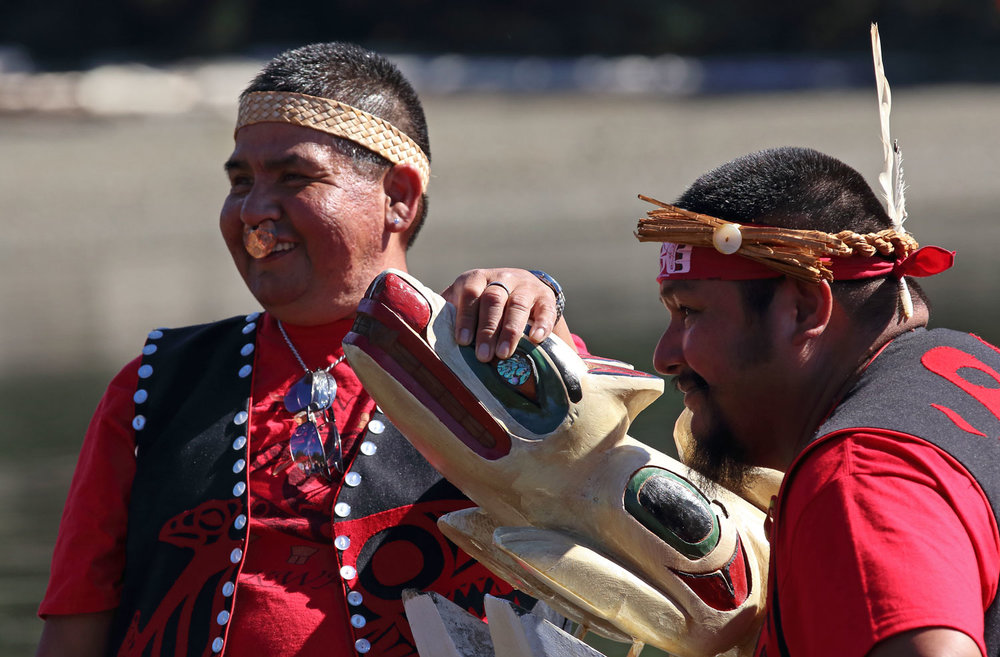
(689, 381)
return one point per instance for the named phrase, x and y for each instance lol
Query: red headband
(683, 261)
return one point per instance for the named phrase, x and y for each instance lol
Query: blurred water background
(111, 179)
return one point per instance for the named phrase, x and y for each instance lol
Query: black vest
(941, 386)
(188, 513)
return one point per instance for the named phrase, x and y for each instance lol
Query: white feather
(891, 178)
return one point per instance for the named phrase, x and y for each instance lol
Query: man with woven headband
(238, 491)
(798, 338)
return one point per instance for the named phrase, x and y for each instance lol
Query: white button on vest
(352, 479)
(240, 522)
(342, 509)
(155, 334)
(145, 371)
(222, 618)
(354, 598)
(140, 396)
(245, 371)
(348, 572)
(239, 488)
(376, 426)
(358, 621)
(240, 442)
(217, 644)
(240, 417)
(342, 542)
(236, 555)
(138, 422)
(228, 588)
(239, 465)
(148, 349)
(249, 328)
(362, 646)
(368, 448)
(246, 349)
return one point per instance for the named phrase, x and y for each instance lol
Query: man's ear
(813, 308)
(403, 190)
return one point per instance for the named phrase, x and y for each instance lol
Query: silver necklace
(295, 352)
(313, 394)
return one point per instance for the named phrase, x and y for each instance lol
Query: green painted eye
(526, 384)
(673, 509)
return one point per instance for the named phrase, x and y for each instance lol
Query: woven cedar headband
(337, 119)
(809, 255)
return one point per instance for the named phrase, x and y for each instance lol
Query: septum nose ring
(261, 239)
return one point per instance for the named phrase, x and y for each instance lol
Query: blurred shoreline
(135, 88)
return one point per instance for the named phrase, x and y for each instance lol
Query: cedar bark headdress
(698, 246)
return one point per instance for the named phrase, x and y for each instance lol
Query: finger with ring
(499, 284)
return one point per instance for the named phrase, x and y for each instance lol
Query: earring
(395, 222)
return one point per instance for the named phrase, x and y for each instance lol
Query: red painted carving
(726, 588)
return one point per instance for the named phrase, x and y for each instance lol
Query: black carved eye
(673, 509)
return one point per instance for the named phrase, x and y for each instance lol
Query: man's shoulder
(944, 336)
(231, 328)
(226, 342)
(228, 322)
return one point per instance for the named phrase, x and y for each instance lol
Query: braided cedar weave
(797, 253)
(335, 118)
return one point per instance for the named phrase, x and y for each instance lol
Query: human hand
(495, 305)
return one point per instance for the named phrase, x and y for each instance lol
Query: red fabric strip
(686, 262)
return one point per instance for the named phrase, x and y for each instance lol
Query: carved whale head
(611, 532)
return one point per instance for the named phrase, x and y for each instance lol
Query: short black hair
(789, 187)
(357, 77)
(800, 188)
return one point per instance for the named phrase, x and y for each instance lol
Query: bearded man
(799, 340)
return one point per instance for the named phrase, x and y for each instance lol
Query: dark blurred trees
(70, 34)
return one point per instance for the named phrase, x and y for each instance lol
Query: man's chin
(718, 458)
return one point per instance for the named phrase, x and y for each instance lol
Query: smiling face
(329, 220)
(726, 362)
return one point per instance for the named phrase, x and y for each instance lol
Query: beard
(716, 455)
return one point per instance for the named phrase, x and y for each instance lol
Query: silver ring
(499, 284)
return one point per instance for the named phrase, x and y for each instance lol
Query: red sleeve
(89, 557)
(880, 535)
(581, 346)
